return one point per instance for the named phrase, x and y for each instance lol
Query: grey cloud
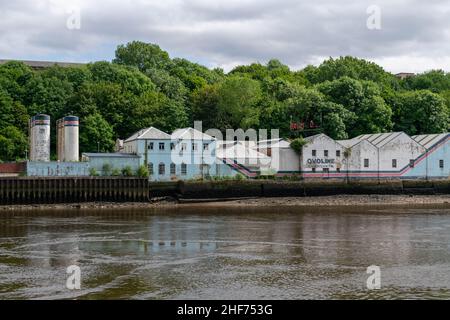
(226, 33)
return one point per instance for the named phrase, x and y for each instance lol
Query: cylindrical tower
(40, 138)
(70, 138)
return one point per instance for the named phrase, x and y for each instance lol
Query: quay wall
(37, 190)
(34, 190)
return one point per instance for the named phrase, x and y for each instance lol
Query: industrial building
(185, 154)
(68, 164)
(191, 154)
(68, 139)
(378, 156)
(107, 163)
(39, 135)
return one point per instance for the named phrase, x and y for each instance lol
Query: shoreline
(317, 201)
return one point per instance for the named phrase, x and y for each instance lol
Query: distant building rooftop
(109, 155)
(44, 64)
(404, 75)
(149, 133)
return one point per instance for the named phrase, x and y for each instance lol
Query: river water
(195, 252)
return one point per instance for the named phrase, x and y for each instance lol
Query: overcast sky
(414, 34)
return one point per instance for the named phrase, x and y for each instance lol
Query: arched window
(162, 168)
(183, 169)
(173, 168)
(150, 168)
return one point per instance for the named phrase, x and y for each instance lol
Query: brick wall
(12, 167)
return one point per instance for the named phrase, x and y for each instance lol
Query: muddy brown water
(195, 252)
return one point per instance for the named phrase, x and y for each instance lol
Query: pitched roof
(190, 133)
(274, 143)
(379, 139)
(349, 143)
(237, 150)
(428, 140)
(149, 133)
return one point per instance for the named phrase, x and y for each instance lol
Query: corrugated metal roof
(428, 140)
(310, 138)
(348, 143)
(109, 155)
(149, 133)
(379, 139)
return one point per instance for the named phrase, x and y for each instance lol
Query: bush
(127, 171)
(93, 172)
(106, 169)
(297, 144)
(142, 171)
(116, 172)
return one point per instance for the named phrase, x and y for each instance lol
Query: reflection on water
(227, 253)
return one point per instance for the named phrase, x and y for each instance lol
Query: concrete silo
(40, 138)
(67, 139)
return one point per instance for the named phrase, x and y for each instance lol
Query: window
(411, 163)
(183, 146)
(441, 164)
(162, 169)
(394, 163)
(150, 168)
(314, 153)
(172, 146)
(183, 169)
(194, 147)
(162, 146)
(326, 170)
(150, 146)
(205, 146)
(173, 168)
(366, 163)
(325, 153)
(338, 153)
(313, 169)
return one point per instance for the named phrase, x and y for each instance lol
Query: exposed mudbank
(167, 202)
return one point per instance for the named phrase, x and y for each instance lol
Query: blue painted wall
(57, 169)
(115, 163)
(155, 156)
(429, 164)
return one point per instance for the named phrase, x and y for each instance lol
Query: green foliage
(116, 172)
(363, 100)
(93, 172)
(297, 144)
(13, 143)
(358, 69)
(421, 111)
(96, 134)
(142, 171)
(106, 169)
(127, 171)
(144, 86)
(434, 80)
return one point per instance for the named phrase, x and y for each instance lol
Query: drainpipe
(146, 153)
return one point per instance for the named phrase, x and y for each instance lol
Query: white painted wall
(359, 152)
(402, 148)
(284, 159)
(320, 143)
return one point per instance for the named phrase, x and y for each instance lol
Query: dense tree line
(144, 87)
